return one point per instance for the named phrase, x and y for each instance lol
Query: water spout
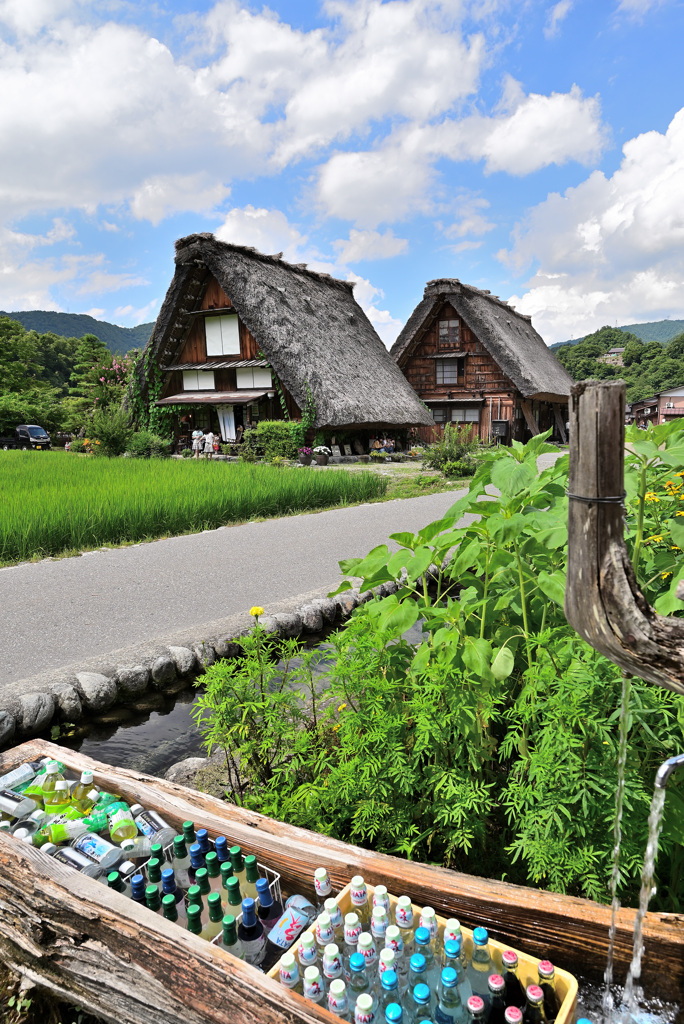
(665, 771)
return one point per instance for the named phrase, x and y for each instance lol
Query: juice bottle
(181, 862)
(229, 939)
(195, 919)
(238, 862)
(214, 872)
(153, 899)
(170, 909)
(84, 794)
(45, 782)
(202, 880)
(120, 822)
(215, 923)
(169, 888)
(251, 875)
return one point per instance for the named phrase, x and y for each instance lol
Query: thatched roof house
(244, 330)
(472, 358)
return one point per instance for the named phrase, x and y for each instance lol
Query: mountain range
(75, 325)
(657, 330)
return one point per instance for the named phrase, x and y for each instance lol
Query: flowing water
(608, 1001)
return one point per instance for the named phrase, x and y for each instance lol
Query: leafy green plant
(112, 428)
(186, 453)
(460, 468)
(278, 437)
(456, 443)
(145, 445)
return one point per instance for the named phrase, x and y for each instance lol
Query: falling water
(655, 824)
(617, 837)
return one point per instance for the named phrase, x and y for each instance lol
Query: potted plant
(322, 454)
(305, 456)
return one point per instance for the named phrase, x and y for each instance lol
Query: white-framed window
(448, 371)
(198, 380)
(249, 377)
(465, 414)
(223, 335)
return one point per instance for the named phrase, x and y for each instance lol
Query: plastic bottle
(221, 848)
(513, 1015)
(338, 1003)
(251, 932)
(359, 899)
(314, 989)
(47, 782)
(229, 937)
(74, 858)
(138, 889)
(98, 850)
(116, 882)
(23, 773)
(215, 923)
(424, 945)
(170, 909)
(213, 867)
(85, 793)
(480, 966)
(386, 962)
(322, 887)
(238, 862)
(364, 1011)
(181, 863)
(332, 965)
(389, 989)
(477, 1009)
(448, 1008)
(16, 805)
(366, 947)
(547, 983)
(194, 919)
(120, 821)
(534, 1007)
(497, 991)
(197, 860)
(152, 825)
(32, 823)
(153, 899)
(202, 837)
(268, 909)
(251, 875)
(381, 898)
(421, 1002)
(515, 993)
(403, 916)
(352, 930)
(289, 973)
(170, 888)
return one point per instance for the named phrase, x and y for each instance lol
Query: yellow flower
(657, 538)
(650, 496)
(664, 575)
(336, 727)
(679, 513)
(680, 473)
(342, 707)
(675, 548)
(256, 611)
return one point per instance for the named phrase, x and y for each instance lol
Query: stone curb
(28, 706)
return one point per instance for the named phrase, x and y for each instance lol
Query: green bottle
(157, 850)
(154, 867)
(202, 880)
(226, 875)
(214, 873)
(180, 862)
(189, 833)
(234, 895)
(194, 919)
(214, 925)
(229, 938)
(152, 899)
(251, 874)
(169, 909)
(194, 897)
(116, 882)
(238, 862)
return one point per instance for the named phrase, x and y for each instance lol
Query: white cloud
(556, 15)
(471, 220)
(132, 316)
(268, 231)
(369, 245)
(97, 312)
(611, 249)
(637, 8)
(365, 293)
(165, 194)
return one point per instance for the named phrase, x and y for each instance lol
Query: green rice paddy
(53, 503)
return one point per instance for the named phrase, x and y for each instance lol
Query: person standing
(209, 443)
(197, 442)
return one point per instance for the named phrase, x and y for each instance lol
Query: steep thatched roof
(308, 326)
(508, 336)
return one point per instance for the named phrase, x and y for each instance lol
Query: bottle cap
(545, 968)
(215, 907)
(364, 1003)
(389, 979)
(286, 960)
(509, 958)
(307, 940)
(189, 831)
(157, 850)
(152, 897)
(62, 786)
(236, 858)
(358, 882)
(322, 882)
(113, 879)
(311, 973)
(338, 988)
(449, 977)
(230, 931)
(356, 962)
(169, 907)
(138, 885)
(380, 896)
(128, 844)
(534, 994)
(194, 913)
(86, 777)
(221, 847)
(48, 848)
(168, 878)
(202, 879)
(154, 870)
(136, 809)
(251, 868)
(202, 837)
(417, 963)
(196, 856)
(227, 873)
(452, 948)
(513, 1015)
(51, 768)
(475, 1004)
(179, 848)
(365, 941)
(21, 833)
(212, 864)
(480, 937)
(125, 867)
(422, 937)
(453, 926)
(496, 983)
(379, 913)
(248, 912)
(404, 912)
(421, 994)
(264, 893)
(394, 1013)
(331, 951)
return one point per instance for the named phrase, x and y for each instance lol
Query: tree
(19, 368)
(91, 355)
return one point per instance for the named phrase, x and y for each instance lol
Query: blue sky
(532, 148)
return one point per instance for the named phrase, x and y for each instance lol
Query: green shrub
(278, 437)
(113, 429)
(77, 445)
(226, 449)
(455, 444)
(187, 453)
(463, 467)
(145, 445)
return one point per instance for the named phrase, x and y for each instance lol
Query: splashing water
(655, 824)
(608, 1002)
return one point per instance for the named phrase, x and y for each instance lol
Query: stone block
(7, 728)
(268, 624)
(37, 710)
(97, 691)
(289, 623)
(227, 649)
(347, 602)
(327, 608)
(184, 772)
(184, 659)
(69, 704)
(132, 681)
(163, 671)
(312, 618)
(205, 654)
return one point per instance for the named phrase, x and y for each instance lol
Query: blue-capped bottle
(169, 888)
(416, 971)
(389, 991)
(202, 837)
(221, 848)
(358, 977)
(449, 1009)
(138, 889)
(480, 966)
(425, 946)
(268, 909)
(394, 1014)
(453, 957)
(421, 1003)
(251, 933)
(197, 860)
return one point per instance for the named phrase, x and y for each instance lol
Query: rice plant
(58, 502)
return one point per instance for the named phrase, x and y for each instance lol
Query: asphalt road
(55, 613)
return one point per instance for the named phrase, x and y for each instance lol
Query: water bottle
(421, 1000)
(381, 898)
(334, 911)
(480, 966)
(379, 925)
(289, 973)
(416, 971)
(389, 992)
(352, 930)
(358, 978)
(332, 965)
(428, 919)
(324, 933)
(364, 1012)
(359, 899)
(322, 887)
(386, 962)
(314, 989)
(366, 947)
(181, 862)
(424, 945)
(403, 916)
(338, 1003)
(307, 954)
(449, 1009)
(453, 957)
(394, 941)
(152, 825)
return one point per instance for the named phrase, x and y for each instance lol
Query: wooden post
(559, 422)
(603, 601)
(529, 417)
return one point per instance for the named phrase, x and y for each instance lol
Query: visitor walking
(197, 442)
(209, 444)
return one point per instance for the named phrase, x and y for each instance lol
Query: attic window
(223, 335)
(448, 371)
(449, 334)
(198, 380)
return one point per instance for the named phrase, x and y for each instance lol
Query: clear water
(651, 1010)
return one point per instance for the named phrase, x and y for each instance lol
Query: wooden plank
(570, 931)
(603, 601)
(529, 418)
(559, 423)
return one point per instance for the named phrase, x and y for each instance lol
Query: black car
(27, 437)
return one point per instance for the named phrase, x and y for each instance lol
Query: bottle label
(289, 976)
(72, 858)
(332, 968)
(430, 922)
(10, 800)
(93, 847)
(364, 1016)
(287, 928)
(323, 888)
(359, 897)
(404, 916)
(378, 929)
(338, 1004)
(351, 933)
(324, 935)
(382, 901)
(314, 990)
(369, 955)
(118, 818)
(307, 955)
(23, 773)
(255, 949)
(451, 936)
(336, 918)
(395, 944)
(302, 906)
(144, 825)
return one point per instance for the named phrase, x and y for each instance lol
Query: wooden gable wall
(194, 349)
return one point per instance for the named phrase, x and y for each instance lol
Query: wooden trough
(102, 951)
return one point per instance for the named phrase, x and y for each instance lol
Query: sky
(535, 149)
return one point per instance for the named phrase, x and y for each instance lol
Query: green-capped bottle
(229, 938)
(154, 867)
(157, 850)
(194, 898)
(234, 894)
(169, 908)
(251, 874)
(226, 874)
(238, 862)
(214, 872)
(215, 923)
(202, 880)
(181, 862)
(189, 834)
(153, 899)
(195, 918)
(116, 882)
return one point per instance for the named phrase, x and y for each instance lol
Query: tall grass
(55, 502)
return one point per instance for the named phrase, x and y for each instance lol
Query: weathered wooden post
(603, 601)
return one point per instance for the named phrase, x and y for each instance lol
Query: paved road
(55, 613)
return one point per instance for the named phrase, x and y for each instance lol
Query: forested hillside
(75, 325)
(648, 366)
(656, 330)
